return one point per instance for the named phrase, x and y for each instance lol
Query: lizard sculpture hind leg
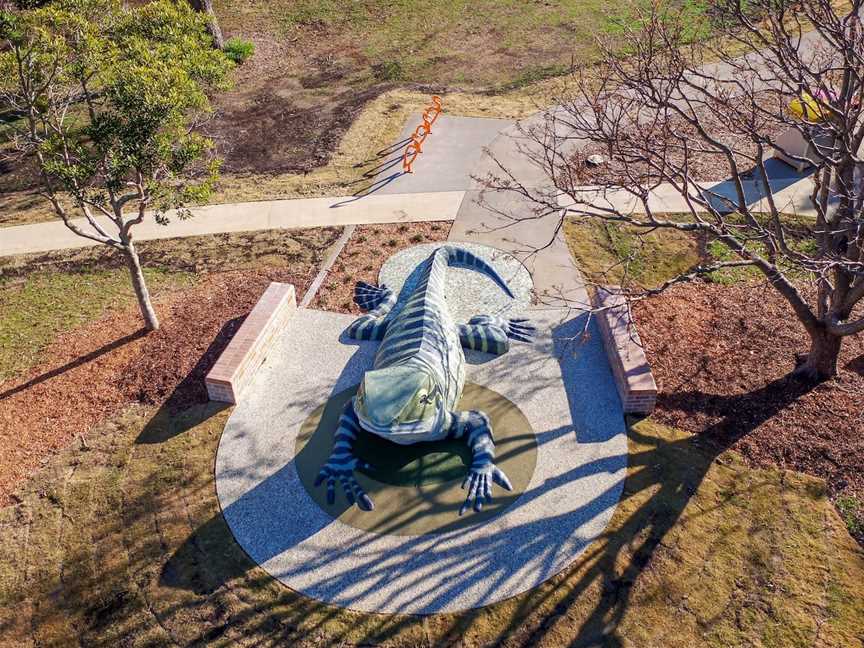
(476, 428)
(378, 301)
(493, 334)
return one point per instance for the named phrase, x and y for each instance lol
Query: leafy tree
(771, 68)
(109, 99)
(205, 7)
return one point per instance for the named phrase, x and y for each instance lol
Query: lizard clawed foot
(520, 329)
(350, 486)
(479, 485)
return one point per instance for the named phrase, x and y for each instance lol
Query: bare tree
(674, 105)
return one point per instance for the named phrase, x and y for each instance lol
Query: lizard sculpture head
(399, 399)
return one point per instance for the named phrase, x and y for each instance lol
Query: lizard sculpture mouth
(402, 403)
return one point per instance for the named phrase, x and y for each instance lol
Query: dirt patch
(19, 190)
(317, 65)
(94, 371)
(279, 126)
(721, 355)
(363, 256)
(668, 136)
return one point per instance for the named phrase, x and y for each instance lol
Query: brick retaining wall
(248, 348)
(633, 377)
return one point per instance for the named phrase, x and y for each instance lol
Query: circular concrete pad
(564, 390)
(416, 489)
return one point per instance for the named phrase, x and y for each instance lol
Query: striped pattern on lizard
(411, 392)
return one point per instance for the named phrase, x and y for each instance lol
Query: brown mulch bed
(365, 253)
(721, 354)
(98, 369)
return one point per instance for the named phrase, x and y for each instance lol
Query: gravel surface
(567, 395)
(468, 292)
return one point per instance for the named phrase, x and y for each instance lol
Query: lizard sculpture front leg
(343, 462)
(476, 428)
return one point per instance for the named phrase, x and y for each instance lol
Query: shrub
(238, 49)
(388, 71)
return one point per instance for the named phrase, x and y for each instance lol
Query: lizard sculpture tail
(458, 257)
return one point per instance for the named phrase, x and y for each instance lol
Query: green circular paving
(417, 488)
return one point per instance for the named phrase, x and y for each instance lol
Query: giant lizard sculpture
(411, 392)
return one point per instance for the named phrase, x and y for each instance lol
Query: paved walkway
(791, 197)
(242, 217)
(450, 153)
(507, 221)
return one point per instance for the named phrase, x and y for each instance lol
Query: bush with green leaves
(239, 49)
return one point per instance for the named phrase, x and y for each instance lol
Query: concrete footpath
(789, 197)
(506, 220)
(450, 155)
(243, 217)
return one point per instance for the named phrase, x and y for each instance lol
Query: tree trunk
(206, 7)
(821, 362)
(140, 285)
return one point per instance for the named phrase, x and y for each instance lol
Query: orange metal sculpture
(415, 146)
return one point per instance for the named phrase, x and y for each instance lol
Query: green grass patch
(692, 13)
(534, 74)
(239, 50)
(851, 509)
(716, 251)
(476, 42)
(36, 308)
(613, 253)
(641, 257)
(388, 71)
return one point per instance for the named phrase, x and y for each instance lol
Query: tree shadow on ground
(857, 365)
(190, 391)
(161, 561)
(77, 362)
(663, 476)
(671, 472)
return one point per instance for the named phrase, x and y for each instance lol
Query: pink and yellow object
(809, 108)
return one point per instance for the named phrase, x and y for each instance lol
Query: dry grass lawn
(119, 541)
(375, 128)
